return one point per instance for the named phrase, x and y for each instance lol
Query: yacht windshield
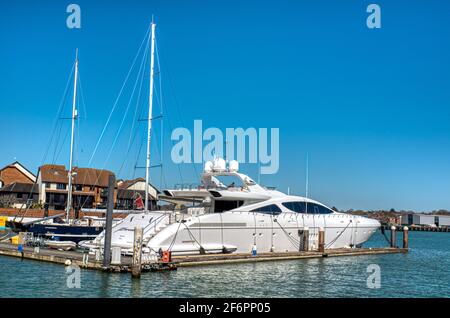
(226, 182)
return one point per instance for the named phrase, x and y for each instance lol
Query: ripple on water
(423, 272)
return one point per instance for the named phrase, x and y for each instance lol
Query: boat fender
(202, 250)
(20, 249)
(254, 251)
(68, 262)
(166, 256)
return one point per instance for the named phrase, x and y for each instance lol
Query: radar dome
(208, 166)
(233, 166)
(219, 165)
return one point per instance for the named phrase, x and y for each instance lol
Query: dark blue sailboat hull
(64, 232)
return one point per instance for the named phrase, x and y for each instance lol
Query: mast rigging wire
(117, 98)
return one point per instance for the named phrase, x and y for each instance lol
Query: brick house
(15, 172)
(17, 189)
(89, 186)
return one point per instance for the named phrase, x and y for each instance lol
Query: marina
(227, 218)
(224, 151)
(87, 261)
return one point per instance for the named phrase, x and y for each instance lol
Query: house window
(19, 195)
(61, 186)
(78, 187)
(47, 185)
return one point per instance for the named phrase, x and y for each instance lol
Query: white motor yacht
(237, 218)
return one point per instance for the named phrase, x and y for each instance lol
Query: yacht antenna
(306, 183)
(150, 108)
(74, 117)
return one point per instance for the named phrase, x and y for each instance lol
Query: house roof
(84, 176)
(17, 187)
(125, 184)
(16, 164)
(130, 194)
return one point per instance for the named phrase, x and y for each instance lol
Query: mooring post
(321, 240)
(108, 224)
(137, 253)
(306, 239)
(393, 236)
(405, 237)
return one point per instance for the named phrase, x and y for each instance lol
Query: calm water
(423, 272)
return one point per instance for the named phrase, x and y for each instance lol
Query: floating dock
(87, 261)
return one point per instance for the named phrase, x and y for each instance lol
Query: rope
(294, 242)
(114, 107)
(118, 97)
(339, 235)
(193, 237)
(175, 237)
(385, 237)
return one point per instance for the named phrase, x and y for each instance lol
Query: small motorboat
(61, 245)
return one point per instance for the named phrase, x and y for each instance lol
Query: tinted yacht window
(314, 208)
(269, 209)
(298, 207)
(324, 210)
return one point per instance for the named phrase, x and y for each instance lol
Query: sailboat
(53, 227)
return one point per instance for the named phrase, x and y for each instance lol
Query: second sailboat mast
(74, 117)
(150, 109)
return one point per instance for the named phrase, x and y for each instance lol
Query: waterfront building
(17, 186)
(18, 195)
(425, 219)
(15, 173)
(89, 187)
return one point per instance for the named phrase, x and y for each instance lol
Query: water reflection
(325, 277)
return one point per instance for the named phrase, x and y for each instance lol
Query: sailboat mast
(150, 109)
(74, 117)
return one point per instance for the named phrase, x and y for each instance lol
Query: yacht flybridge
(238, 217)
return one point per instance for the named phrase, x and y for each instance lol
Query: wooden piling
(393, 236)
(137, 253)
(321, 240)
(405, 237)
(108, 225)
(306, 239)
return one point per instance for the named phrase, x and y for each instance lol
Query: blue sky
(371, 107)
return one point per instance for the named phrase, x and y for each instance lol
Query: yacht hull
(265, 232)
